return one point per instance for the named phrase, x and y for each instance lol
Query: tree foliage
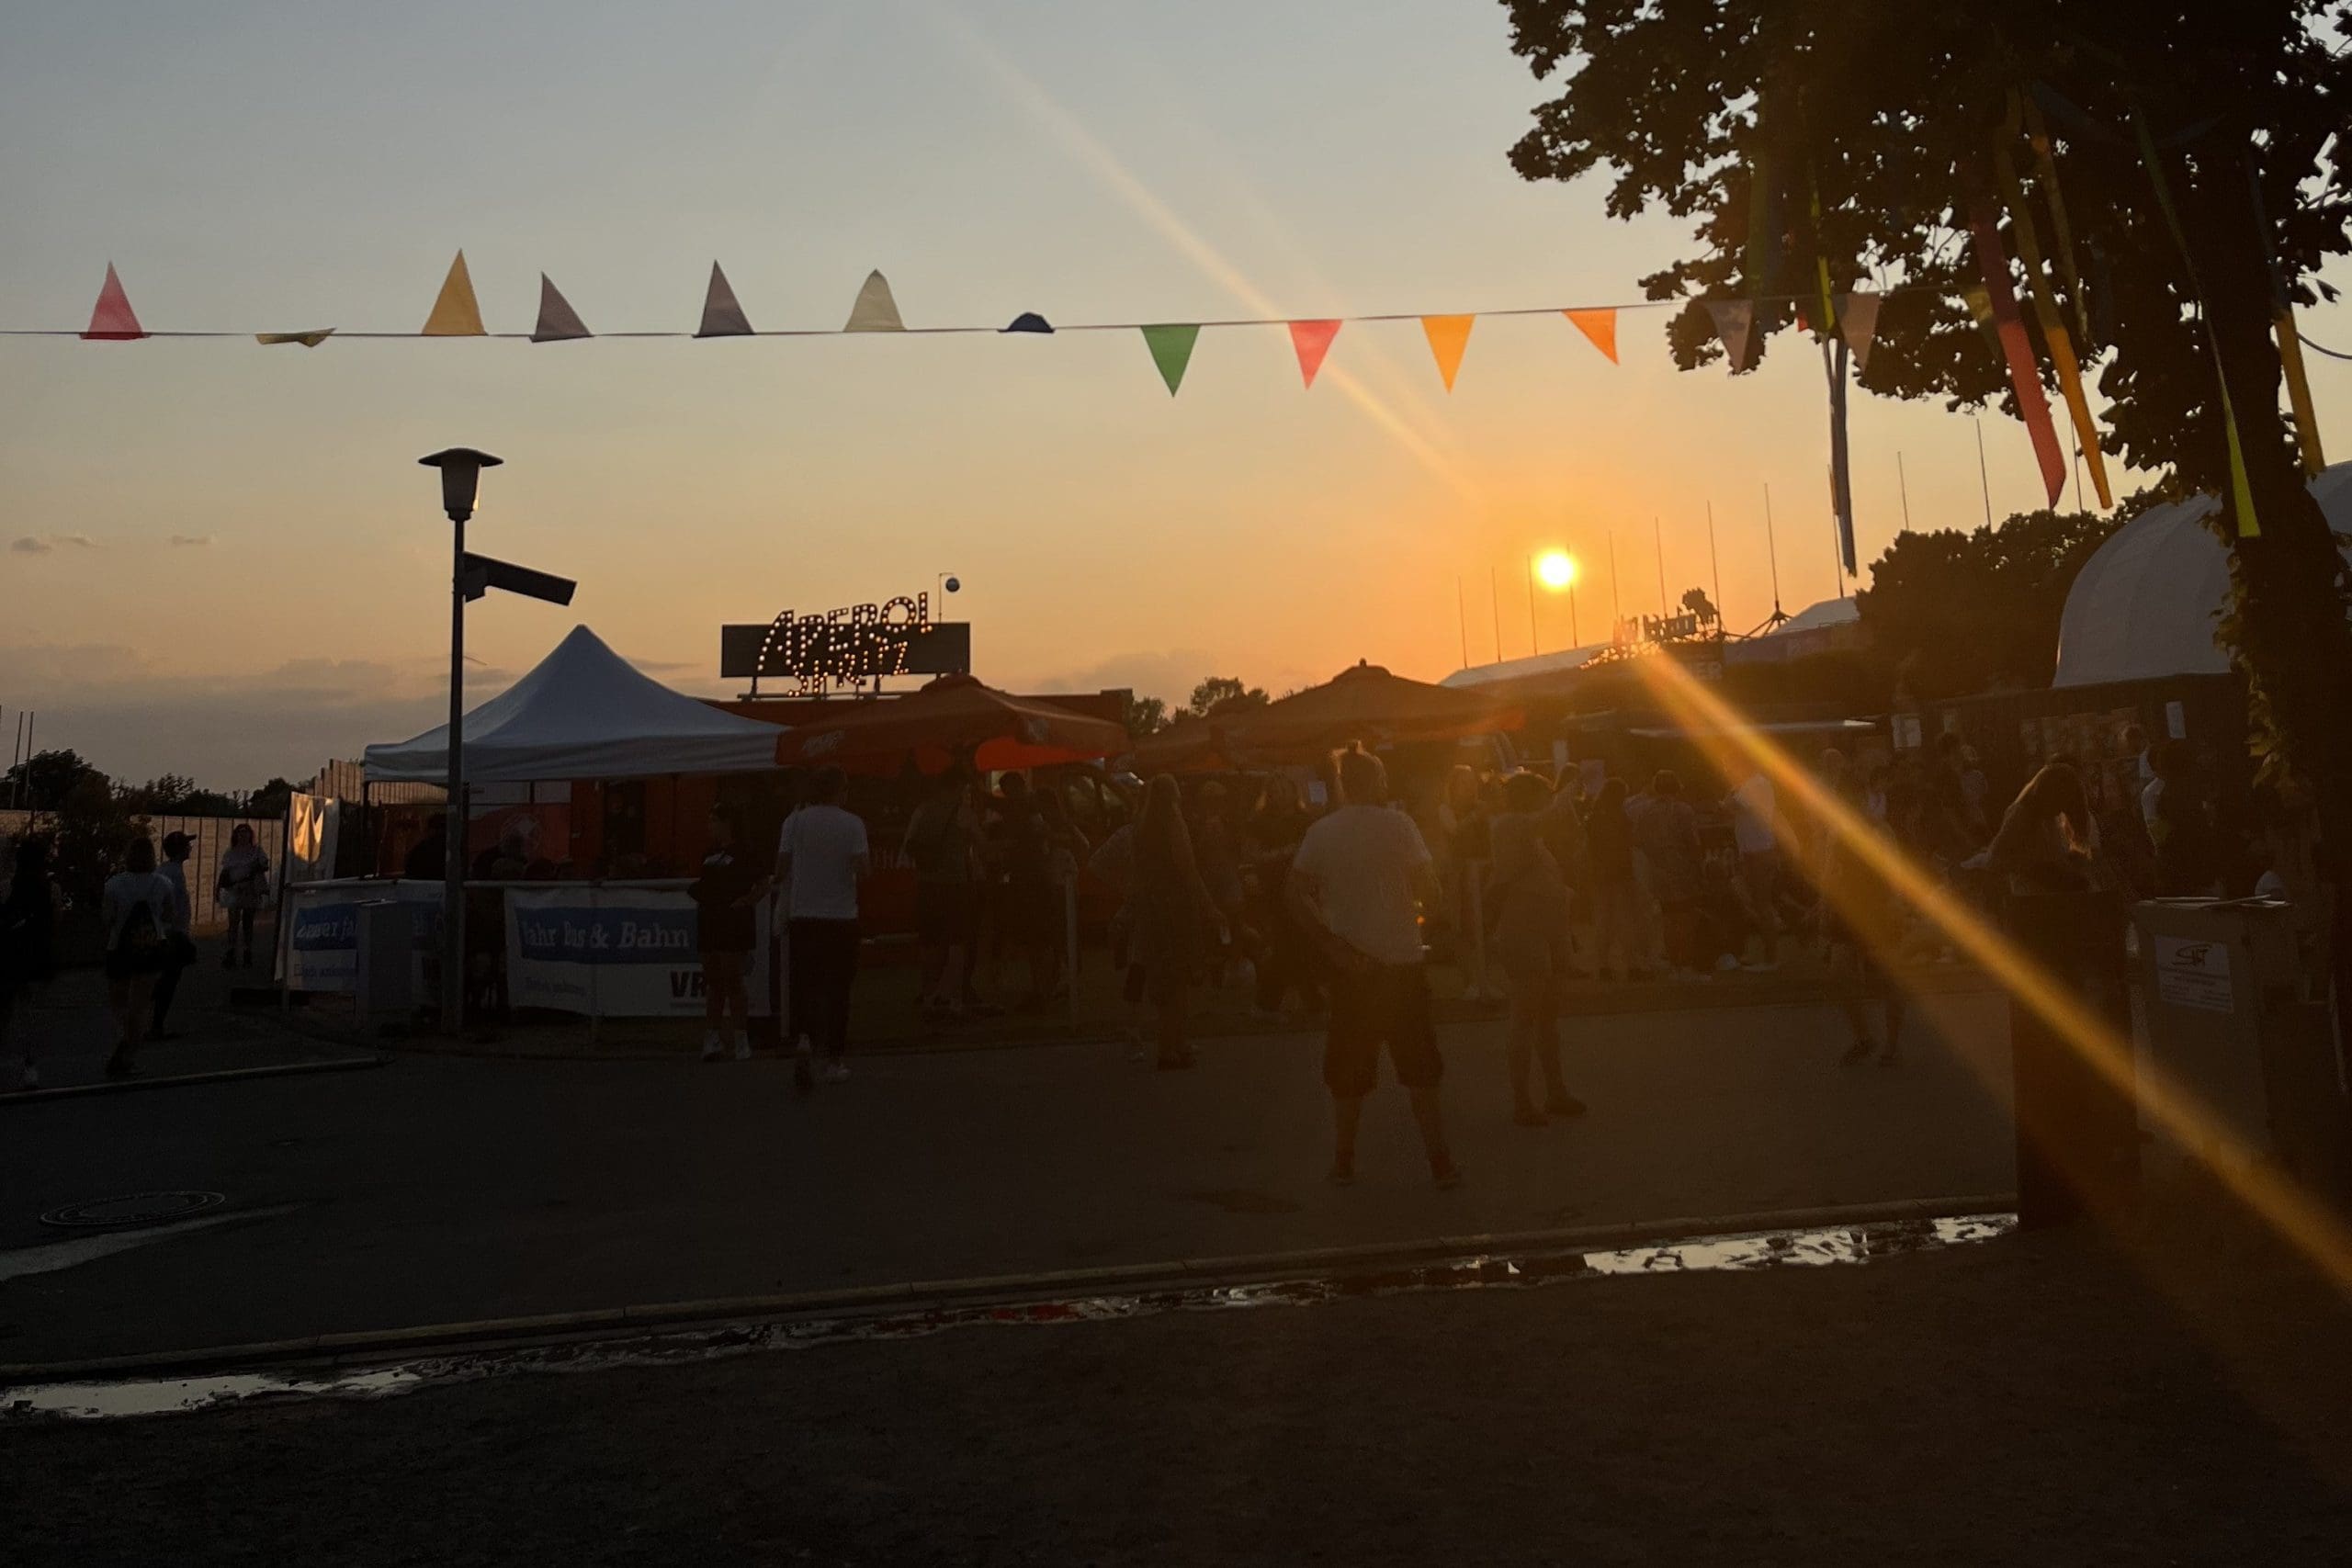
(1146, 715)
(1952, 613)
(1874, 128)
(1223, 691)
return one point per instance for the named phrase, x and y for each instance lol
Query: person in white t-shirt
(137, 904)
(1355, 883)
(819, 857)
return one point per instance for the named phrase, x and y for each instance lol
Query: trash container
(382, 988)
(2233, 1004)
(2076, 1144)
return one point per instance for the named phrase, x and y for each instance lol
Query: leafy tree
(270, 800)
(1873, 128)
(1223, 691)
(44, 783)
(1953, 613)
(1146, 715)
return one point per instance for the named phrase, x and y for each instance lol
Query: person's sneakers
(1859, 1052)
(31, 1078)
(1444, 1172)
(120, 1066)
(711, 1049)
(1342, 1174)
(743, 1050)
(1527, 1116)
(1561, 1103)
(837, 1071)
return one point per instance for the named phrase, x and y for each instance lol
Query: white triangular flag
(875, 311)
(722, 316)
(558, 321)
(1735, 323)
(1858, 316)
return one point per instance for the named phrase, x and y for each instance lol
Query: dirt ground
(2050, 1398)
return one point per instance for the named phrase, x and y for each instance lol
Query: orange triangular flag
(558, 323)
(1600, 326)
(454, 314)
(1312, 340)
(1447, 335)
(114, 320)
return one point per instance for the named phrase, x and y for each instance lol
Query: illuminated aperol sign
(844, 648)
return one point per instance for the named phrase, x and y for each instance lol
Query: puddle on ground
(1763, 1249)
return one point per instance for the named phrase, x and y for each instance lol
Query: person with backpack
(137, 907)
(28, 947)
(179, 940)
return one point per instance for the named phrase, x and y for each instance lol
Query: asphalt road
(441, 1190)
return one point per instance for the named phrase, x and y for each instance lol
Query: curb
(481, 1334)
(225, 1075)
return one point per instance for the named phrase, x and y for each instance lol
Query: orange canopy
(954, 717)
(1367, 703)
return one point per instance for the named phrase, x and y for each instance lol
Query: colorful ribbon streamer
(2025, 380)
(2046, 312)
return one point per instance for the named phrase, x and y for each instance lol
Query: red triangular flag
(1600, 326)
(114, 320)
(1313, 341)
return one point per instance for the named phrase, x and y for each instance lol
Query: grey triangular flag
(722, 317)
(1858, 316)
(875, 311)
(1735, 323)
(557, 319)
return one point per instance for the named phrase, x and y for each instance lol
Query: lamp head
(461, 469)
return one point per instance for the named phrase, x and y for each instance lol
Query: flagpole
(1983, 475)
(1533, 646)
(1658, 542)
(1462, 612)
(1616, 610)
(1715, 566)
(1772, 552)
(1495, 607)
(1903, 487)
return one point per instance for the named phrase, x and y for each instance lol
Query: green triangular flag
(1171, 350)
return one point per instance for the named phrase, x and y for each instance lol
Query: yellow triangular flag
(1447, 335)
(875, 310)
(454, 314)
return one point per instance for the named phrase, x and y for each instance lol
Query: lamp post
(461, 469)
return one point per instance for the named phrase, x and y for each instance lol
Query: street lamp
(461, 469)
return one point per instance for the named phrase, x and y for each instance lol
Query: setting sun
(1557, 569)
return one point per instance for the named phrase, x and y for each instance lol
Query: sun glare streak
(2279, 1202)
(1106, 166)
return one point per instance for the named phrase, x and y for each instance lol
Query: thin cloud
(190, 541)
(79, 541)
(28, 545)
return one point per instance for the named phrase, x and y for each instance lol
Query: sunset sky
(237, 570)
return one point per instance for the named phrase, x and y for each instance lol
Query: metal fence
(208, 839)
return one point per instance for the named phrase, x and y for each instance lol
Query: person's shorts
(943, 913)
(1387, 1006)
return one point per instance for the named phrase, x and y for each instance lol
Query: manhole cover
(134, 1209)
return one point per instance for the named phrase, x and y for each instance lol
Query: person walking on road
(137, 907)
(1359, 875)
(28, 950)
(179, 940)
(1618, 926)
(242, 887)
(818, 859)
(1172, 929)
(943, 844)
(727, 897)
(1529, 911)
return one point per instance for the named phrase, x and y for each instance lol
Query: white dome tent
(2144, 605)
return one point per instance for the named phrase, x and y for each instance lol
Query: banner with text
(322, 932)
(614, 953)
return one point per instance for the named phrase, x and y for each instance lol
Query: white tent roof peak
(583, 712)
(2145, 605)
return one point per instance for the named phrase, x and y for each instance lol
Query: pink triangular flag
(1735, 323)
(1312, 340)
(558, 321)
(722, 316)
(114, 320)
(1600, 326)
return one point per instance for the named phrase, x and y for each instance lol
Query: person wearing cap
(180, 944)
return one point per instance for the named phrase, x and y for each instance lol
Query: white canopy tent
(584, 713)
(2144, 605)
